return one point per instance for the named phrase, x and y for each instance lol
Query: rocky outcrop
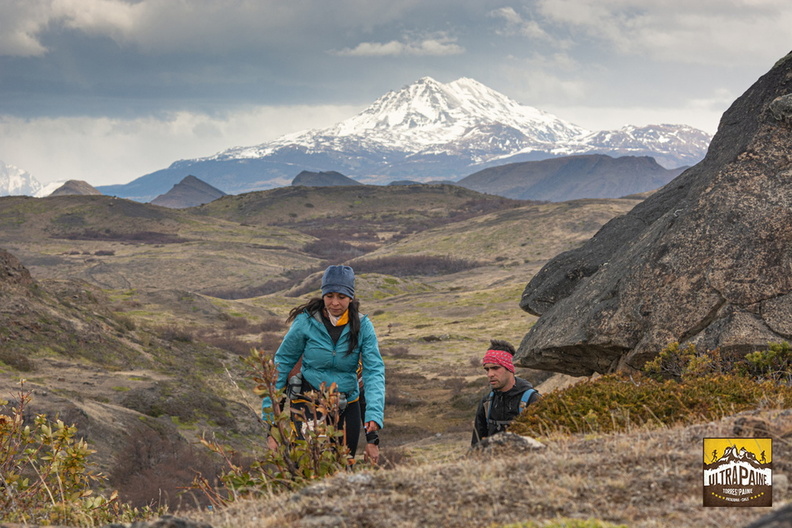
(706, 260)
(506, 442)
(572, 177)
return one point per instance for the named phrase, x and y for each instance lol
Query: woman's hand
(271, 443)
(371, 453)
(372, 426)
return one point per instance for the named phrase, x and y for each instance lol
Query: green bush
(681, 385)
(618, 402)
(678, 363)
(775, 363)
(17, 359)
(44, 474)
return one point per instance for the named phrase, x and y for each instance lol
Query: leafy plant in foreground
(44, 475)
(295, 462)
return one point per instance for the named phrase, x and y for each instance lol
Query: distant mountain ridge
(75, 187)
(572, 178)
(190, 192)
(322, 179)
(426, 131)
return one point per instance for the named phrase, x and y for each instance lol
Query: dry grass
(646, 479)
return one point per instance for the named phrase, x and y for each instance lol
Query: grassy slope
(432, 329)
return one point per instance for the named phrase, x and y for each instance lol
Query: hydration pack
(526, 396)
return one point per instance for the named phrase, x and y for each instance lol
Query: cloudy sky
(109, 90)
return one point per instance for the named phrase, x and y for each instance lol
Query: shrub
(618, 402)
(671, 363)
(143, 237)
(44, 475)
(775, 363)
(295, 462)
(272, 324)
(269, 341)
(238, 324)
(186, 401)
(679, 364)
(333, 248)
(175, 333)
(231, 344)
(125, 322)
(17, 359)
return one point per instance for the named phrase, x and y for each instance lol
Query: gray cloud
(72, 66)
(438, 46)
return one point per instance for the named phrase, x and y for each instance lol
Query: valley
(175, 296)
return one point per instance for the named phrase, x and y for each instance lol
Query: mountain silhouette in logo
(733, 454)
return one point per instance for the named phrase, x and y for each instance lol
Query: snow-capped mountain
(671, 146)
(426, 131)
(431, 117)
(15, 181)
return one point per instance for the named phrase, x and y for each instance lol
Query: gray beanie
(339, 279)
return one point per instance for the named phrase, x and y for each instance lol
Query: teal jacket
(325, 362)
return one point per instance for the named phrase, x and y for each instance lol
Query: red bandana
(499, 357)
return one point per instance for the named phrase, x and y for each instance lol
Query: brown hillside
(125, 283)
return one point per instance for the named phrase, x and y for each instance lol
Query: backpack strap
(488, 404)
(524, 399)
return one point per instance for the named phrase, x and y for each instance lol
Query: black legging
(349, 421)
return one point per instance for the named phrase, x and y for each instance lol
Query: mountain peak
(322, 179)
(428, 113)
(15, 181)
(78, 187)
(425, 131)
(189, 192)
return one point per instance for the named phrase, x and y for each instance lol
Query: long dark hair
(316, 304)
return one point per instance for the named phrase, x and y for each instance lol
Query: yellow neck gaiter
(339, 321)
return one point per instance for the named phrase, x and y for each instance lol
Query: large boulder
(705, 260)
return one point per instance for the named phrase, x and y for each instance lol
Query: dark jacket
(504, 407)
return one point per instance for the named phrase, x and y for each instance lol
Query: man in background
(508, 394)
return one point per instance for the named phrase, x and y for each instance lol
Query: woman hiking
(331, 337)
